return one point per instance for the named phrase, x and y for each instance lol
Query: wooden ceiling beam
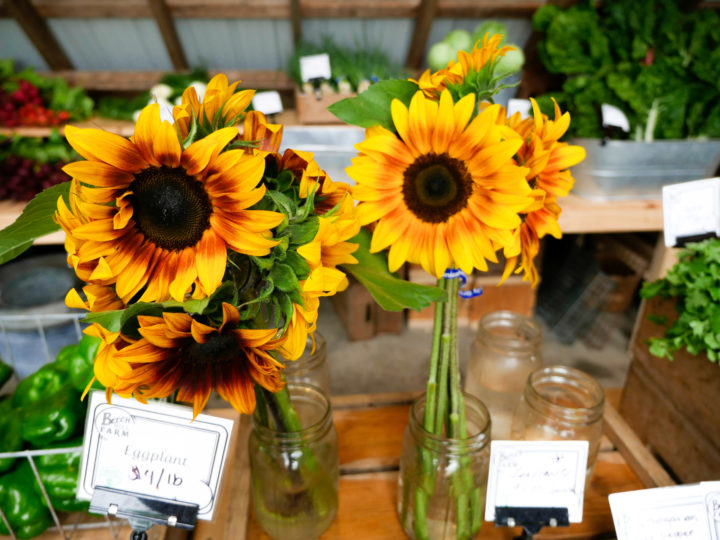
(421, 32)
(138, 81)
(39, 33)
(166, 26)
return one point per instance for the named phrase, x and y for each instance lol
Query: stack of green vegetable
(44, 412)
(442, 52)
(659, 64)
(352, 70)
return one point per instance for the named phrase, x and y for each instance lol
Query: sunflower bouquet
(204, 253)
(448, 181)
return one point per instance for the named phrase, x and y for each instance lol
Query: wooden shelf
(121, 127)
(581, 215)
(370, 431)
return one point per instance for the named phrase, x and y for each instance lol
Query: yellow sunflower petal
(98, 145)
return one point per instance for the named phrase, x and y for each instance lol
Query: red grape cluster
(24, 178)
(24, 107)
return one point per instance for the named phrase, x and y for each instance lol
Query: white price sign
(691, 512)
(154, 450)
(691, 209)
(315, 66)
(612, 116)
(523, 106)
(537, 474)
(267, 102)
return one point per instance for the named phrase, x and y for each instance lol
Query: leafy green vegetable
(52, 149)
(658, 64)
(695, 282)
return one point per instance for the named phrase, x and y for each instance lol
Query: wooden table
(370, 430)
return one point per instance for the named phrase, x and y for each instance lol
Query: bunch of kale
(656, 61)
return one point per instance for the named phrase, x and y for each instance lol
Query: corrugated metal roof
(114, 44)
(15, 44)
(236, 44)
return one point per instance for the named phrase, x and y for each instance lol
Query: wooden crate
(361, 316)
(673, 406)
(311, 110)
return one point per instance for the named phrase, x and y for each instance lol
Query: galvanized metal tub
(638, 170)
(332, 146)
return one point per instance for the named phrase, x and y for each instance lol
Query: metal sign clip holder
(143, 511)
(531, 519)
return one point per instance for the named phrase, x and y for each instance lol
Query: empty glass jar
(311, 367)
(505, 351)
(294, 475)
(561, 403)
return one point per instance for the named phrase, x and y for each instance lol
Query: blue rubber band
(454, 273)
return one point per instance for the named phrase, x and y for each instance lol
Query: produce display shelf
(370, 430)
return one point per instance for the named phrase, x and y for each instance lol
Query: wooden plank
(120, 127)
(231, 521)
(637, 455)
(137, 81)
(496, 8)
(587, 216)
(39, 33)
(421, 32)
(169, 34)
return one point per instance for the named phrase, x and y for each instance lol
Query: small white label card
(267, 102)
(523, 106)
(691, 512)
(612, 116)
(691, 209)
(537, 474)
(154, 450)
(315, 66)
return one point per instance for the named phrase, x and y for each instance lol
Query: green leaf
(35, 221)
(391, 292)
(302, 233)
(284, 277)
(372, 107)
(283, 202)
(226, 292)
(298, 264)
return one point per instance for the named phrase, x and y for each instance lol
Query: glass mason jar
(439, 474)
(312, 367)
(561, 403)
(505, 351)
(294, 475)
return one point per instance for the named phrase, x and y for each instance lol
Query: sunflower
(445, 190)
(548, 162)
(432, 84)
(106, 366)
(221, 106)
(257, 128)
(98, 298)
(329, 249)
(177, 352)
(303, 323)
(153, 219)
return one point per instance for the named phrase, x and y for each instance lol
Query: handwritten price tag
(315, 66)
(537, 474)
(691, 512)
(155, 450)
(691, 209)
(267, 102)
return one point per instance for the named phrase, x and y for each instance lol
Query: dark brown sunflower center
(436, 187)
(219, 349)
(171, 208)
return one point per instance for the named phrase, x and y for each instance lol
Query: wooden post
(165, 23)
(423, 23)
(296, 20)
(39, 33)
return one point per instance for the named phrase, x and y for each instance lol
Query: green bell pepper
(55, 419)
(60, 474)
(25, 512)
(10, 432)
(5, 373)
(78, 361)
(41, 385)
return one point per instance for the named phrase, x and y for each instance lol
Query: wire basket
(27, 342)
